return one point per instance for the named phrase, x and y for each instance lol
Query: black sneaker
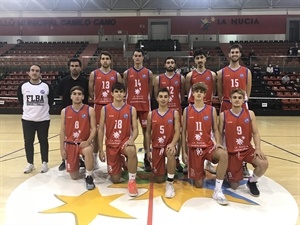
(179, 168)
(62, 166)
(89, 181)
(147, 165)
(185, 170)
(81, 163)
(253, 188)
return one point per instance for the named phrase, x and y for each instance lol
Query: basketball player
(231, 77)
(100, 83)
(201, 74)
(118, 123)
(237, 127)
(175, 83)
(199, 123)
(163, 131)
(78, 128)
(138, 81)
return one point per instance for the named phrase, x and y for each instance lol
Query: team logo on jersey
(247, 120)
(112, 78)
(144, 76)
(83, 116)
(125, 115)
(242, 75)
(170, 121)
(206, 117)
(207, 78)
(42, 92)
(176, 82)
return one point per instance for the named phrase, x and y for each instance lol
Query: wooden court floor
(280, 141)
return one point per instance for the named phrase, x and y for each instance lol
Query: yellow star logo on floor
(88, 205)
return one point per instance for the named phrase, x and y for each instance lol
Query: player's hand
(171, 149)
(102, 156)
(84, 144)
(185, 158)
(63, 154)
(258, 153)
(149, 156)
(130, 142)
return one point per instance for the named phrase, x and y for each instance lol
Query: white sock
(254, 178)
(88, 173)
(132, 176)
(218, 184)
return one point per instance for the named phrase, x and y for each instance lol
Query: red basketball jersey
(138, 90)
(232, 79)
(205, 77)
(162, 128)
(174, 86)
(77, 124)
(199, 126)
(237, 131)
(102, 86)
(118, 124)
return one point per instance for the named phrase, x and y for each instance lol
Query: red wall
(139, 25)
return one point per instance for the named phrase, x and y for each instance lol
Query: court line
(150, 203)
(292, 153)
(288, 160)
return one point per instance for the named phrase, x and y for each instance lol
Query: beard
(170, 69)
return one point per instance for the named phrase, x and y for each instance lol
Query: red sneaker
(132, 189)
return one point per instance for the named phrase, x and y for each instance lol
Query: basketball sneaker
(253, 188)
(45, 167)
(209, 167)
(179, 168)
(220, 197)
(29, 168)
(147, 165)
(89, 182)
(132, 189)
(170, 191)
(62, 166)
(246, 172)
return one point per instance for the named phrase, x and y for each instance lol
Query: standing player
(175, 83)
(118, 122)
(238, 126)
(163, 130)
(199, 123)
(36, 98)
(78, 128)
(201, 74)
(64, 88)
(139, 84)
(231, 77)
(100, 83)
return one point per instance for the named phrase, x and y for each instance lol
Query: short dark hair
(170, 57)
(239, 91)
(74, 60)
(199, 52)
(37, 66)
(199, 86)
(235, 46)
(163, 90)
(118, 86)
(139, 50)
(79, 88)
(105, 53)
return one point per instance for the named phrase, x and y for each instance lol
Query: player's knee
(131, 151)
(234, 185)
(198, 183)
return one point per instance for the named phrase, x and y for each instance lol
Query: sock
(170, 177)
(218, 184)
(88, 173)
(254, 178)
(132, 176)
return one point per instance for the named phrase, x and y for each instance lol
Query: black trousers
(42, 129)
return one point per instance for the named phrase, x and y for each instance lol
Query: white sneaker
(170, 191)
(210, 168)
(29, 168)
(96, 164)
(44, 167)
(219, 197)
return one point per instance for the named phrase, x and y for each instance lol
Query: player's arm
(119, 78)
(216, 129)
(214, 78)
(219, 85)
(221, 127)
(182, 88)
(176, 128)
(156, 85)
(91, 86)
(101, 134)
(151, 77)
(62, 135)
(148, 135)
(249, 83)
(135, 130)
(125, 74)
(183, 137)
(188, 83)
(256, 137)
